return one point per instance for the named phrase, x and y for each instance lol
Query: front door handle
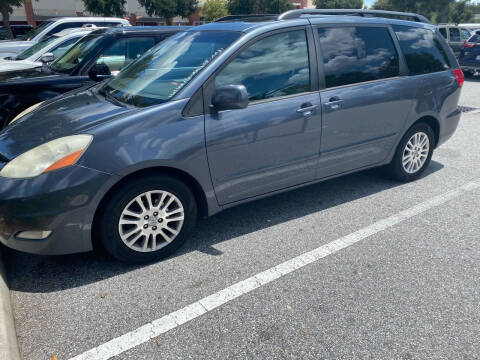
(307, 109)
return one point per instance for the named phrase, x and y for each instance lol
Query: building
(34, 12)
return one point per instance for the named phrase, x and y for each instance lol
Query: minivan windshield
(161, 72)
(68, 61)
(34, 32)
(36, 48)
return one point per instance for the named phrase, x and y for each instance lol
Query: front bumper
(63, 201)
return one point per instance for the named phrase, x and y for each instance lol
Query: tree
(6, 8)
(169, 8)
(214, 9)
(461, 12)
(238, 7)
(338, 4)
(106, 7)
(436, 10)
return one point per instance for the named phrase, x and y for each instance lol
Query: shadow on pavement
(43, 274)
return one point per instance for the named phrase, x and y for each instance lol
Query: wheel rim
(416, 152)
(151, 221)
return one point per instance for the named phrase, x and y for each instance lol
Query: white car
(45, 51)
(53, 26)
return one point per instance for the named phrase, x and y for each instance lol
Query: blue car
(222, 114)
(470, 55)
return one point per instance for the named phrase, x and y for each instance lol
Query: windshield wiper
(110, 97)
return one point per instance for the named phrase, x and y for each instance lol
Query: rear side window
(422, 49)
(357, 54)
(274, 66)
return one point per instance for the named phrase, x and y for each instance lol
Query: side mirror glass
(230, 97)
(99, 72)
(47, 58)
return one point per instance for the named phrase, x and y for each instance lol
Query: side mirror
(47, 58)
(230, 97)
(99, 72)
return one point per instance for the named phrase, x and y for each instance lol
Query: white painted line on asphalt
(168, 322)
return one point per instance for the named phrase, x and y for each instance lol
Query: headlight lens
(47, 157)
(25, 112)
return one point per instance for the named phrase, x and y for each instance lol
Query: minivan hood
(73, 113)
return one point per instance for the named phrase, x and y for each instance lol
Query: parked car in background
(222, 114)
(45, 51)
(17, 30)
(53, 26)
(455, 35)
(470, 55)
(95, 57)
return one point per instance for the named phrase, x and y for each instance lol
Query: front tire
(147, 219)
(413, 154)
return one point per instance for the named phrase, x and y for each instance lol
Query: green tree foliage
(106, 7)
(214, 9)
(6, 8)
(338, 4)
(258, 6)
(461, 12)
(437, 10)
(169, 8)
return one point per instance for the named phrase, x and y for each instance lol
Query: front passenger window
(274, 66)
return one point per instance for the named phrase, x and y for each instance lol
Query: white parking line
(168, 322)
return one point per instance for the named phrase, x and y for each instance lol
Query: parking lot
(394, 274)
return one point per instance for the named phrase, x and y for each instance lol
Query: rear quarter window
(422, 50)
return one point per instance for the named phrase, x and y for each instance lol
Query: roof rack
(295, 14)
(248, 18)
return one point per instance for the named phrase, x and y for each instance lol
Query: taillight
(468, 44)
(459, 76)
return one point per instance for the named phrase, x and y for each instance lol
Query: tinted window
(443, 31)
(357, 54)
(454, 34)
(64, 46)
(273, 66)
(76, 54)
(422, 49)
(123, 51)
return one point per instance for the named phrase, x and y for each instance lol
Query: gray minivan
(219, 115)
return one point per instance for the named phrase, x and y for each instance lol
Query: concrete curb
(8, 337)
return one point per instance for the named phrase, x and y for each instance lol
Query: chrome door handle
(307, 109)
(334, 103)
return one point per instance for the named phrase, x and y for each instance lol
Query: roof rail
(295, 14)
(248, 18)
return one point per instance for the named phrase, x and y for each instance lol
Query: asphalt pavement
(408, 289)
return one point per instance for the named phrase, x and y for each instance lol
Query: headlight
(25, 112)
(50, 156)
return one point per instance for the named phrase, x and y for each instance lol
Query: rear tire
(147, 219)
(413, 154)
